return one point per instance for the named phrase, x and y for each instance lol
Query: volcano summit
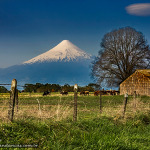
(64, 51)
(65, 63)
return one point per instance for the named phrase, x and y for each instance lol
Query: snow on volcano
(65, 63)
(64, 51)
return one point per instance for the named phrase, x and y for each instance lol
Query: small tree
(94, 86)
(29, 88)
(122, 52)
(3, 89)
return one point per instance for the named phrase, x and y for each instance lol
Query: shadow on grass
(98, 133)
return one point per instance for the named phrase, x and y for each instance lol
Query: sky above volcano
(31, 27)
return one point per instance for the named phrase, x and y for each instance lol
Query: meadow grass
(47, 122)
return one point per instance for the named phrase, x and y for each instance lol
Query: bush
(3, 89)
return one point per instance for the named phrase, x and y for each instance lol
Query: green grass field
(47, 122)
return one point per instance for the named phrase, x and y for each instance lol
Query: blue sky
(31, 27)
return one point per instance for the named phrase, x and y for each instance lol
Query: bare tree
(122, 52)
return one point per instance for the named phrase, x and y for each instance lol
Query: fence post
(100, 102)
(12, 99)
(135, 100)
(75, 102)
(125, 103)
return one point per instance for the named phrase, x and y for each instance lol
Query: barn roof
(146, 72)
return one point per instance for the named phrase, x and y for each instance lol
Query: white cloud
(141, 9)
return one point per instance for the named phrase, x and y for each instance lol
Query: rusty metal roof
(146, 72)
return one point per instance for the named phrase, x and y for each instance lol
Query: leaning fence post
(75, 102)
(125, 103)
(100, 102)
(12, 99)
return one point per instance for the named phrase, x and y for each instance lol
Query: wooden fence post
(125, 103)
(12, 99)
(100, 102)
(134, 100)
(75, 102)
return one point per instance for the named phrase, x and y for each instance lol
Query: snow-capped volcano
(64, 51)
(65, 63)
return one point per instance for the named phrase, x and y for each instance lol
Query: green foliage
(38, 87)
(29, 88)
(96, 87)
(143, 118)
(99, 133)
(86, 88)
(92, 131)
(3, 89)
(68, 88)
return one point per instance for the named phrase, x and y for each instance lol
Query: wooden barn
(139, 81)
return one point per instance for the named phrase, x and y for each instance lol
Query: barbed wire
(17, 85)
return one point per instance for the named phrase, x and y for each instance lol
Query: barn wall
(136, 82)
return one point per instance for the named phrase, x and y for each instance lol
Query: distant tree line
(38, 87)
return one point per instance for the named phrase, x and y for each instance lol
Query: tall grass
(47, 122)
(99, 133)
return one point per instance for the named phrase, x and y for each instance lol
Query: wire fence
(58, 107)
(10, 85)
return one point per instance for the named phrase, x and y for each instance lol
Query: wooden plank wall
(136, 82)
